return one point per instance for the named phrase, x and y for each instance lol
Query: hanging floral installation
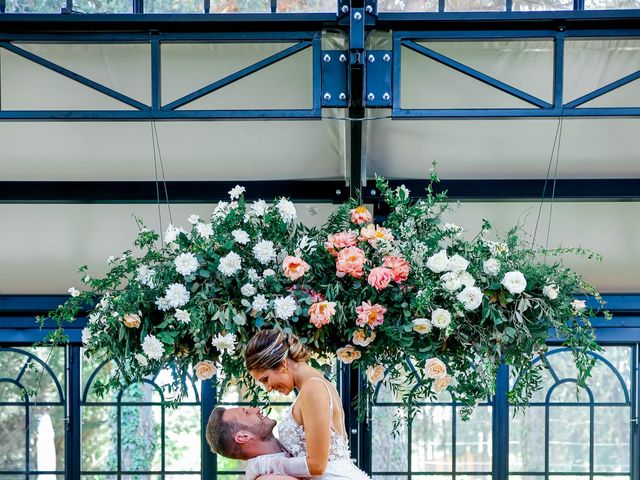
(410, 302)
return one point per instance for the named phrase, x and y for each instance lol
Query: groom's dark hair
(220, 435)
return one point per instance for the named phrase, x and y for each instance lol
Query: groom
(244, 433)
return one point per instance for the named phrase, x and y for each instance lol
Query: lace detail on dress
(292, 436)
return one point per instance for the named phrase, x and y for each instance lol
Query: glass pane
(46, 438)
(12, 432)
(230, 465)
(539, 5)
(604, 381)
(173, 6)
(34, 6)
(182, 430)
(42, 378)
(569, 439)
(526, 440)
(431, 440)
(474, 5)
(90, 376)
(473, 441)
(240, 6)
(140, 438)
(611, 443)
(391, 477)
(391, 449)
(606, 4)
(307, 6)
(99, 433)
(100, 6)
(408, 5)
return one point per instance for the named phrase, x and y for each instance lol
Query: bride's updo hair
(267, 349)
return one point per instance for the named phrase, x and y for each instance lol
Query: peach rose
(362, 338)
(399, 268)
(373, 234)
(348, 354)
(375, 374)
(370, 315)
(340, 240)
(441, 383)
(379, 277)
(350, 261)
(320, 313)
(131, 320)
(294, 267)
(435, 368)
(205, 369)
(360, 215)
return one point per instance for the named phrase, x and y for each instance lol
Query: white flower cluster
(224, 343)
(264, 252)
(285, 307)
(287, 210)
(176, 295)
(145, 275)
(186, 264)
(230, 264)
(152, 347)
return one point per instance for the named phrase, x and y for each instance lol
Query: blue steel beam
(74, 76)
(126, 115)
(471, 113)
(234, 77)
(473, 73)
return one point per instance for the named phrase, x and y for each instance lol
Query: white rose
(491, 267)
(259, 208)
(193, 219)
(264, 252)
(471, 297)
(240, 236)
(440, 318)
(230, 264)
(287, 210)
(177, 295)
(458, 263)
(236, 191)
(74, 292)
(466, 279)
(422, 326)
(578, 305)
(451, 281)
(435, 368)
(514, 282)
(152, 347)
(260, 303)
(248, 290)
(205, 230)
(439, 262)
(142, 360)
(375, 374)
(551, 291)
(86, 336)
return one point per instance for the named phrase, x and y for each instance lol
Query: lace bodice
(292, 435)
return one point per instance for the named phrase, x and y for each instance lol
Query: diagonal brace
(473, 73)
(238, 75)
(602, 90)
(74, 76)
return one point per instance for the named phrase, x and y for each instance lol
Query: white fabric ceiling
(42, 245)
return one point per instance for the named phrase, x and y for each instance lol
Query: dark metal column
(73, 434)
(500, 438)
(208, 393)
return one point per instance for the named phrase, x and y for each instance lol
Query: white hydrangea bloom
(224, 342)
(259, 208)
(205, 230)
(285, 307)
(264, 251)
(177, 295)
(287, 210)
(186, 264)
(253, 275)
(240, 236)
(248, 290)
(152, 347)
(236, 191)
(230, 264)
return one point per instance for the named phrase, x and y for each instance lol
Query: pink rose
(370, 315)
(340, 240)
(360, 215)
(294, 267)
(350, 261)
(399, 268)
(320, 313)
(373, 234)
(380, 277)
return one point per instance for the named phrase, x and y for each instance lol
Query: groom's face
(251, 420)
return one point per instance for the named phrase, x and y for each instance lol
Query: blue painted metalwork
(500, 434)
(378, 90)
(601, 91)
(334, 78)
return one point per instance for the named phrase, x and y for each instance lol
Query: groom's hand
(276, 477)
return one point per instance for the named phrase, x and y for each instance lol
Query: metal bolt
(345, 8)
(386, 96)
(357, 16)
(342, 58)
(327, 57)
(386, 57)
(327, 96)
(338, 192)
(342, 96)
(371, 97)
(373, 192)
(369, 9)
(354, 431)
(371, 58)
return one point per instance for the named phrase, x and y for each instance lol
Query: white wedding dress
(340, 466)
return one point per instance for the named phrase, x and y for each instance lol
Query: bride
(312, 430)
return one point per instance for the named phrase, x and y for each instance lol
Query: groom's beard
(264, 431)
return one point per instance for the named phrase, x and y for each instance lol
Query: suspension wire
(553, 191)
(164, 178)
(155, 168)
(546, 180)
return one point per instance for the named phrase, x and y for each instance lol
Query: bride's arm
(313, 401)
(276, 477)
